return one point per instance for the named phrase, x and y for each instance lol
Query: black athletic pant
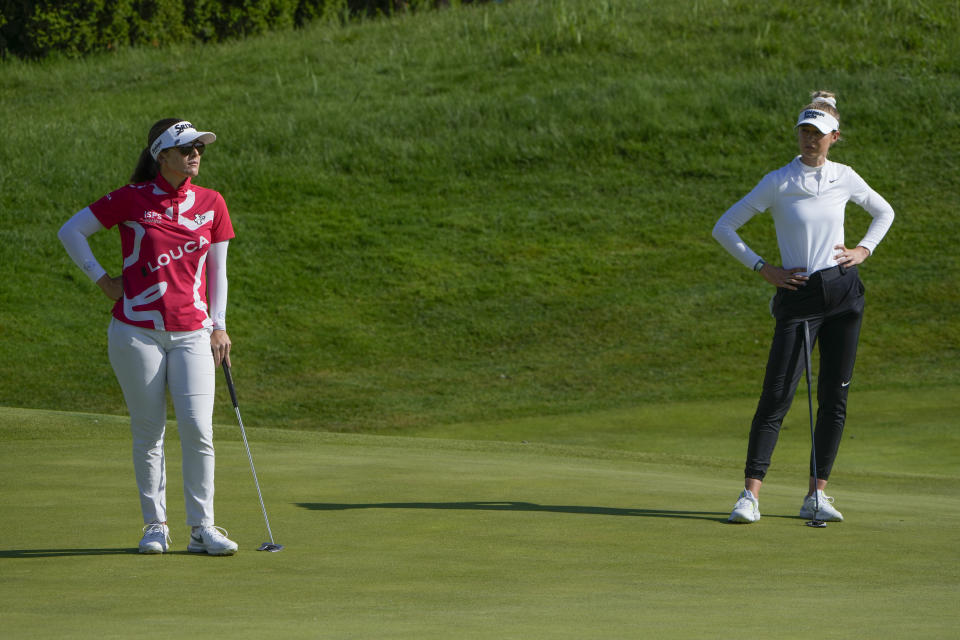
(832, 303)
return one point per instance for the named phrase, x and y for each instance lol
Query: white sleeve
(725, 231)
(874, 204)
(217, 283)
(74, 233)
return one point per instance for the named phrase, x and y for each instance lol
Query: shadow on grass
(60, 553)
(715, 516)
(68, 553)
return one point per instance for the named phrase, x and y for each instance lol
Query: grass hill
(493, 223)
(492, 212)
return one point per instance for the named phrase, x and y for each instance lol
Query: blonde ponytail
(824, 101)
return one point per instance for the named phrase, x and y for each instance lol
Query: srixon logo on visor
(183, 126)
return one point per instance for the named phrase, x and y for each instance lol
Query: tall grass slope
(492, 212)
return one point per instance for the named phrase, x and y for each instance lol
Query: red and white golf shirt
(165, 234)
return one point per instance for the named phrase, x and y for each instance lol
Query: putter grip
(233, 392)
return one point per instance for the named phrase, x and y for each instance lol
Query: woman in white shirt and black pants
(817, 283)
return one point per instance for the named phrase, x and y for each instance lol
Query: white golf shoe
(826, 513)
(746, 510)
(211, 540)
(156, 538)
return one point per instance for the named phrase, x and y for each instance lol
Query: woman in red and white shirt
(164, 334)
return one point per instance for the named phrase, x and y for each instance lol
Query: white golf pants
(147, 362)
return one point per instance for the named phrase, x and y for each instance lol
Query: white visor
(820, 119)
(179, 134)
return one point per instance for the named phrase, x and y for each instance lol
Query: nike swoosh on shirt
(845, 384)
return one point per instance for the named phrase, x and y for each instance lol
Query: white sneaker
(826, 512)
(210, 540)
(156, 538)
(746, 510)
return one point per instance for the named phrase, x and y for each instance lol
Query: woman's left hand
(850, 257)
(220, 346)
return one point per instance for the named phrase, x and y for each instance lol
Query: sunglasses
(187, 149)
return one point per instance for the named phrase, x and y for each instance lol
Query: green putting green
(428, 538)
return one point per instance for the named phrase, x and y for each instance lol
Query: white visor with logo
(180, 134)
(820, 119)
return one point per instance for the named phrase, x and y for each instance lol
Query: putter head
(816, 524)
(272, 547)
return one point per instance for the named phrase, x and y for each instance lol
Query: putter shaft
(807, 348)
(272, 545)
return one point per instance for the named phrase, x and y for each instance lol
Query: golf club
(266, 546)
(819, 524)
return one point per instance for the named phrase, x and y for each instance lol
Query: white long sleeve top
(807, 204)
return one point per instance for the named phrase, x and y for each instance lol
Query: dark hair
(147, 168)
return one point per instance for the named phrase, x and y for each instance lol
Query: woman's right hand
(783, 278)
(111, 287)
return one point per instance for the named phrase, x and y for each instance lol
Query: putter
(266, 546)
(818, 524)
